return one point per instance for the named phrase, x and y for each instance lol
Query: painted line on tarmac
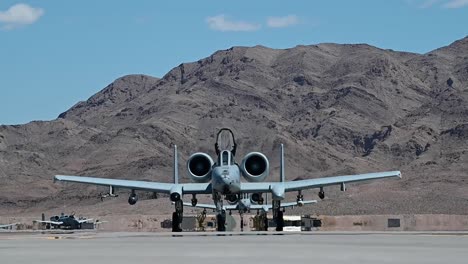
(67, 237)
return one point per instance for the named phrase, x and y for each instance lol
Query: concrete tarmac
(206, 248)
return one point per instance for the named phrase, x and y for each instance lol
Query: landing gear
(242, 222)
(221, 221)
(177, 216)
(176, 222)
(279, 220)
(278, 215)
(221, 216)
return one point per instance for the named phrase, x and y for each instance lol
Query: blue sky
(56, 53)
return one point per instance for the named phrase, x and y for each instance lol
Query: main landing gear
(279, 220)
(177, 216)
(278, 215)
(221, 213)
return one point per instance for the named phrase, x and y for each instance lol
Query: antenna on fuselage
(282, 163)
(176, 167)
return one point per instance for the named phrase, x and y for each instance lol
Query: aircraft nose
(231, 183)
(227, 180)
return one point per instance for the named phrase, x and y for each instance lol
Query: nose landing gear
(221, 221)
(278, 215)
(279, 220)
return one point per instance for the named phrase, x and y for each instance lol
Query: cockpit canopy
(225, 141)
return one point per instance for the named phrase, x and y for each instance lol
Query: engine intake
(199, 167)
(232, 198)
(255, 167)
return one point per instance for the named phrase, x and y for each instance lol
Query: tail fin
(282, 177)
(176, 166)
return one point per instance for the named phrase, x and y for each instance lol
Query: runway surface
(192, 248)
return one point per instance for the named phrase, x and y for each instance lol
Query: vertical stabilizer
(282, 164)
(176, 166)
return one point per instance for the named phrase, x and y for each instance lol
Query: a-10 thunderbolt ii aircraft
(8, 226)
(64, 222)
(222, 179)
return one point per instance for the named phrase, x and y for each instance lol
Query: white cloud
(428, 3)
(456, 4)
(282, 22)
(222, 23)
(19, 15)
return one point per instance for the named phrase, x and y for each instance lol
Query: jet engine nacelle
(199, 167)
(176, 193)
(232, 198)
(255, 167)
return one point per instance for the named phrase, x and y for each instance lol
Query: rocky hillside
(339, 109)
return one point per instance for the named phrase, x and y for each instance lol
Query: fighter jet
(222, 179)
(64, 222)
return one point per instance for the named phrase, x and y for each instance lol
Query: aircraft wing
(49, 222)
(315, 183)
(84, 220)
(267, 207)
(211, 206)
(159, 187)
(301, 203)
(8, 225)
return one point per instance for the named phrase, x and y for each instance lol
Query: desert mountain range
(339, 109)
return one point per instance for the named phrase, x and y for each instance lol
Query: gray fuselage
(225, 175)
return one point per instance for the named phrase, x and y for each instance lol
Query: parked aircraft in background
(64, 222)
(222, 179)
(8, 226)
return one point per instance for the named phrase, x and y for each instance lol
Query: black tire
(279, 221)
(176, 222)
(221, 221)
